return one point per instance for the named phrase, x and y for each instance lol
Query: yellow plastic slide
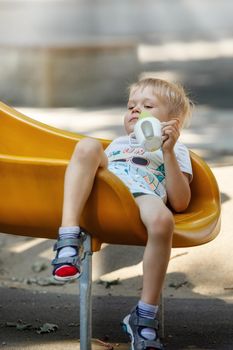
(33, 159)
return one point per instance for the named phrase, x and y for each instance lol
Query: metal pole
(85, 297)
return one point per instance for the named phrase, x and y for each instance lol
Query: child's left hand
(170, 134)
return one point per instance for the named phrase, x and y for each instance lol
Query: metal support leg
(85, 297)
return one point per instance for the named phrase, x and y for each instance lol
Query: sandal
(131, 325)
(74, 262)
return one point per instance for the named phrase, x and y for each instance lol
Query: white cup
(147, 133)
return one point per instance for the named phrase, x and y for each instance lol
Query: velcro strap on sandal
(72, 260)
(68, 242)
(146, 322)
(154, 344)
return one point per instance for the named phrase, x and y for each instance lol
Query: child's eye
(130, 107)
(148, 106)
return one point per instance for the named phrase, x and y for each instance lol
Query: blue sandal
(131, 325)
(70, 261)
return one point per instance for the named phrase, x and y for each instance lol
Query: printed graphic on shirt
(137, 179)
(143, 171)
(151, 162)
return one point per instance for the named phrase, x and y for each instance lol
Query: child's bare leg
(159, 223)
(87, 157)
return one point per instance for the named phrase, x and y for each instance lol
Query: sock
(67, 270)
(68, 232)
(147, 311)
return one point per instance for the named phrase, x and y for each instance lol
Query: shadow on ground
(189, 323)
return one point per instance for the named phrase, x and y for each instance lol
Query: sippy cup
(147, 133)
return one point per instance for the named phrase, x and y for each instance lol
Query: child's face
(143, 100)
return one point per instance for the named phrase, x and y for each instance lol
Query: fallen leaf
(20, 326)
(23, 327)
(178, 285)
(47, 328)
(108, 284)
(72, 324)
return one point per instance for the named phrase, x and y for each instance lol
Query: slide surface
(33, 159)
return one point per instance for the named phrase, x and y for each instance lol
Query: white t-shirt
(125, 160)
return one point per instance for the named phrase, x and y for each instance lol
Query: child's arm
(177, 183)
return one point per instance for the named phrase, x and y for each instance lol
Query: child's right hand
(170, 134)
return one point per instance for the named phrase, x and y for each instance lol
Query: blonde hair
(172, 95)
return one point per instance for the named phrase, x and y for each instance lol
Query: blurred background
(68, 53)
(62, 60)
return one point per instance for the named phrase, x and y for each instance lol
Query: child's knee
(162, 226)
(88, 149)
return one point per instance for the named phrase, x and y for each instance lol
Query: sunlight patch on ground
(22, 247)
(48, 253)
(69, 345)
(208, 268)
(124, 273)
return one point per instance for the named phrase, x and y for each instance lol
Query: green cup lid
(144, 114)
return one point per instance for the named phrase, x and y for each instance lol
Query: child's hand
(170, 134)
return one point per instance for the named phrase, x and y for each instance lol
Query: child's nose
(137, 109)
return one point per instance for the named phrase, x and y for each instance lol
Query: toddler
(155, 179)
